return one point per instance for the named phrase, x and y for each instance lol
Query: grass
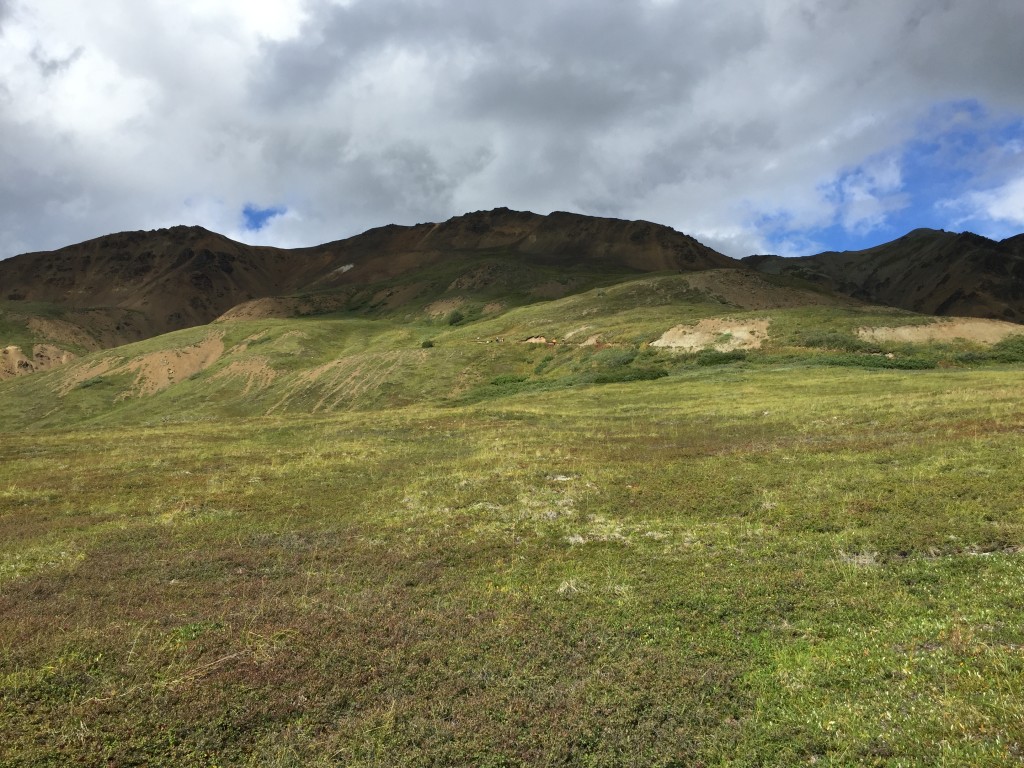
(14, 329)
(340, 544)
(734, 565)
(17, 326)
(348, 361)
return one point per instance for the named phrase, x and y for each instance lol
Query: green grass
(337, 545)
(737, 565)
(15, 326)
(348, 361)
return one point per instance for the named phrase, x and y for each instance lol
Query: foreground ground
(732, 566)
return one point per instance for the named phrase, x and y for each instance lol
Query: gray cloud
(51, 66)
(722, 119)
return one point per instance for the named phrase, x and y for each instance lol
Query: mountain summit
(927, 270)
(185, 276)
(131, 286)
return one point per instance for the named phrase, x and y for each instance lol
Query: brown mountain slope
(559, 239)
(185, 276)
(36, 336)
(174, 278)
(134, 285)
(928, 271)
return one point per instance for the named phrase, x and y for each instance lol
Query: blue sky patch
(960, 155)
(257, 218)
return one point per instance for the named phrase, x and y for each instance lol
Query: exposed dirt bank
(722, 334)
(967, 328)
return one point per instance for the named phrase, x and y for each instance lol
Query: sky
(756, 126)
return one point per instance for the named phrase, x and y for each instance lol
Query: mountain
(539, 492)
(631, 329)
(134, 285)
(186, 276)
(126, 287)
(928, 271)
(59, 305)
(174, 278)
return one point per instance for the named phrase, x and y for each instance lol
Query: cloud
(991, 200)
(1005, 204)
(999, 210)
(51, 66)
(867, 195)
(754, 126)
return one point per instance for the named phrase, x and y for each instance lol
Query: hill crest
(928, 271)
(187, 275)
(131, 286)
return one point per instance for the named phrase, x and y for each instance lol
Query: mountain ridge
(129, 286)
(928, 271)
(187, 275)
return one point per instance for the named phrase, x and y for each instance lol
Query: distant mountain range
(185, 276)
(928, 271)
(135, 285)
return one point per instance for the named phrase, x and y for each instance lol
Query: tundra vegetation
(336, 544)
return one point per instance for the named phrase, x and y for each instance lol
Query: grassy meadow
(772, 563)
(394, 535)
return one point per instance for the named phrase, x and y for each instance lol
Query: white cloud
(723, 119)
(868, 195)
(1001, 205)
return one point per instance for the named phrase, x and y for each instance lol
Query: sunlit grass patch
(48, 557)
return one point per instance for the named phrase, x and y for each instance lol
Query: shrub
(1009, 350)
(630, 374)
(507, 378)
(714, 357)
(879, 361)
(455, 317)
(427, 343)
(614, 358)
(834, 340)
(95, 381)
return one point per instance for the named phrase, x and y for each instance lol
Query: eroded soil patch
(159, 370)
(966, 328)
(723, 334)
(14, 362)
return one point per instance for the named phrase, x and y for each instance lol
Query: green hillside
(405, 356)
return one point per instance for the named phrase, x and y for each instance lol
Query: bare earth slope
(928, 271)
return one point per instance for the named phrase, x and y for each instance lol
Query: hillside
(644, 328)
(175, 277)
(118, 289)
(928, 271)
(150, 283)
(538, 501)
